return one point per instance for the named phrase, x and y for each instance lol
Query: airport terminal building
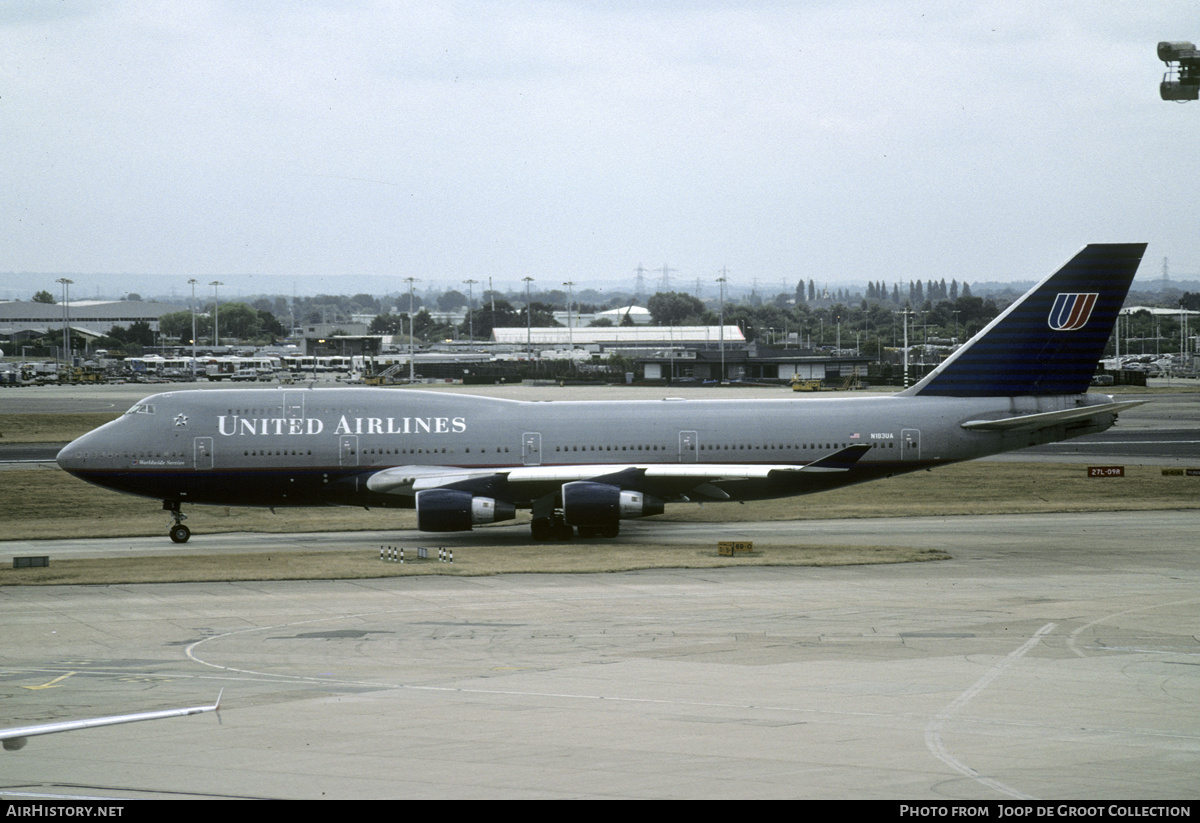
(21, 320)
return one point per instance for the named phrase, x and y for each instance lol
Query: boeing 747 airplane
(582, 467)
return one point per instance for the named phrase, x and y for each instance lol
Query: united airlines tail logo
(1072, 311)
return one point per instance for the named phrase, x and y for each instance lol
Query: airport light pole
(412, 329)
(193, 308)
(721, 327)
(66, 319)
(528, 320)
(925, 337)
(1183, 334)
(471, 309)
(570, 296)
(216, 313)
(905, 313)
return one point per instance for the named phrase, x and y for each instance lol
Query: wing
(595, 496)
(669, 481)
(16, 738)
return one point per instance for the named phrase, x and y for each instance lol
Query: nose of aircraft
(81, 453)
(70, 457)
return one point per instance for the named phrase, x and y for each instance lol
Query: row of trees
(234, 320)
(480, 322)
(917, 293)
(869, 323)
(334, 309)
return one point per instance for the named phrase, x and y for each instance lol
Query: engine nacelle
(453, 510)
(586, 503)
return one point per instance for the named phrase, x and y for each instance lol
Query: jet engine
(586, 503)
(453, 510)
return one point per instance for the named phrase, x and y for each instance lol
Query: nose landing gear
(178, 533)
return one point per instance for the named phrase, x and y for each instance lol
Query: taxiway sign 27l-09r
(585, 466)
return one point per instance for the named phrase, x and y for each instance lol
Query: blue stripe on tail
(1050, 340)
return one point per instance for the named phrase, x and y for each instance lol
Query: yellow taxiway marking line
(52, 684)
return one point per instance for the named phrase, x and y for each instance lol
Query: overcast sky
(345, 145)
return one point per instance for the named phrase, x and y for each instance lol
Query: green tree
(451, 300)
(540, 314)
(365, 302)
(44, 297)
(675, 309)
(268, 324)
(237, 320)
(178, 326)
(485, 319)
(426, 328)
(386, 324)
(139, 333)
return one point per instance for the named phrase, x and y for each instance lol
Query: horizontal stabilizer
(1033, 422)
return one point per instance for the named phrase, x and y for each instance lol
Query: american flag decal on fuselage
(1071, 312)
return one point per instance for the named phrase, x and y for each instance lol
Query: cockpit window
(141, 408)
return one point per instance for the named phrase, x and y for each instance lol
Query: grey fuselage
(306, 447)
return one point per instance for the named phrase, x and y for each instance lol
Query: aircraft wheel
(180, 533)
(545, 528)
(542, 529)
(608, 530)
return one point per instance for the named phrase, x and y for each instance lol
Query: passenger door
(202, 452)
(688, 447)
(531, 448)
(348, 450)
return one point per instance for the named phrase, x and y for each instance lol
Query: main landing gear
(544, 529)
(178, 533)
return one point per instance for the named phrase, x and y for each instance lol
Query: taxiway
(1055, 656)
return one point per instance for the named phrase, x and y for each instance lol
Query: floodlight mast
(66, 320)
(412, 329)
(1181, 83)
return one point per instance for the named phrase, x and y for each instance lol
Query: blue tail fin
(1050, 340)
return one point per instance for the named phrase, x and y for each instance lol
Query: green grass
(50, 428)
(472, 561)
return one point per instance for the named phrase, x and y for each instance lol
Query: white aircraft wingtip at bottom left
(15, 739)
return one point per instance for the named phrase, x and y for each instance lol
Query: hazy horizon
(343, 147)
